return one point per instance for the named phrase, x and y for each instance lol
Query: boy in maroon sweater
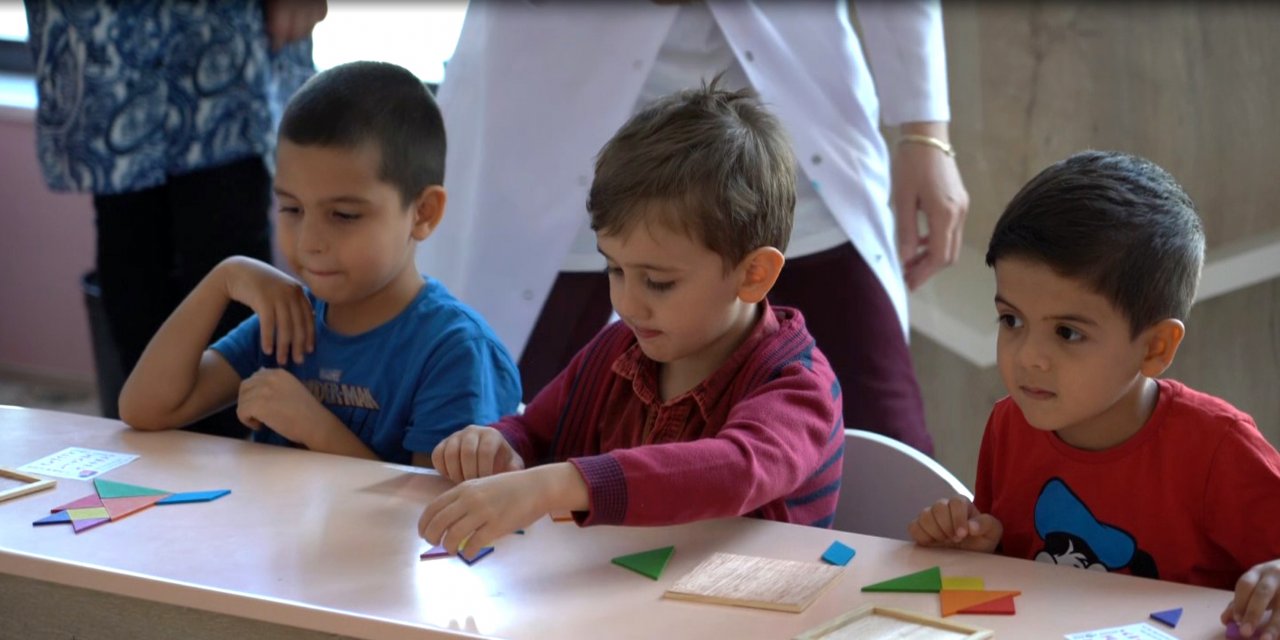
(704, 401)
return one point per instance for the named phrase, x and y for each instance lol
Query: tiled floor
(37, 394)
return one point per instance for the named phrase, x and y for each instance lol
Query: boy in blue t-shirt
(369, 358)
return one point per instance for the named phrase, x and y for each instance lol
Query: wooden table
(311, 544)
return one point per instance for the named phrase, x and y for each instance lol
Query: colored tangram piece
(433, 553)
(561, 516)
(1233, 631)
(115, 500)
(83, 503)
(59, 517)
(646, 563)
(838, 553)
(476, 558)
(962, 601)
(964, 583)
(110, 489)
(927, 581)
(82, 524)
(121, 507)
(1169, 617)
(999, 606)
(194, 496)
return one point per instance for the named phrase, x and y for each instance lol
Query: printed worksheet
(77, 463)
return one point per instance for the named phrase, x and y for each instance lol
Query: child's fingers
(301, 319)
(487, 454)
(941, 511)
(928, 525)
(463, 531)
(468, 445)
(438, 516)
(916, 529)
(450, 466)
(284, 332)
(1258, 599)
(959, 512)
(267, 329)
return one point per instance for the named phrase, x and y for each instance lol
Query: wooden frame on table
(31, 484)
(895, 623)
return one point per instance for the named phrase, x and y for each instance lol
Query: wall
(46, 244)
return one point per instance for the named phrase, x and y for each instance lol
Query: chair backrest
(886, 483)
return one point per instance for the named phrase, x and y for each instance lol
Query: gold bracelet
(929, 140)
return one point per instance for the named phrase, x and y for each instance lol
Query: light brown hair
(711, 163)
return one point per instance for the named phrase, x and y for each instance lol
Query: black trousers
(849, 314)
(155, 245)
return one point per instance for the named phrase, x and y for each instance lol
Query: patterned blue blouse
(131, 92)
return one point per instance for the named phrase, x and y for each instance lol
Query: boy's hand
(1257, 594)
(276, 398)
(482, 510)
(285, 315)
(956, 523)
(475, 452)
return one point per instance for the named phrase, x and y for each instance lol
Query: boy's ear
(760, 271)
(428, 211)
(1162, 341)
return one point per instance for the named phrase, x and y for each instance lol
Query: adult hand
(926, 180)
(292, 20)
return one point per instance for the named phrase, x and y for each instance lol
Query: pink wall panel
(46, 244)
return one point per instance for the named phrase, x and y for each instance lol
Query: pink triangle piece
(433, 553)
(87, 502)
(82, 525)
(954, 601)
(1000, 606)
(121, 507)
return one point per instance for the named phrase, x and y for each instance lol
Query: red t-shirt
(1192, 497)
(762, 436)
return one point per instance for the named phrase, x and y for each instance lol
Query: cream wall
(1192, 86)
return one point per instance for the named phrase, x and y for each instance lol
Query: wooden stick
(33, 484)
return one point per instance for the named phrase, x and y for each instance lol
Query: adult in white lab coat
(535, 89)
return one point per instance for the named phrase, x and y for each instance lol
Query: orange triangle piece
(999, 606)
(121, 507)
(954, 601)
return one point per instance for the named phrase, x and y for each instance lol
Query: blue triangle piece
(1169, 617)
(476, 558)
(61, 517)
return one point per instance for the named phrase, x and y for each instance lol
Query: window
(417, 36)
(14, 54)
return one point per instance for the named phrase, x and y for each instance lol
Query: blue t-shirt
(403, 386)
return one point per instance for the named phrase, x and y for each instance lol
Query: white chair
(886, 483)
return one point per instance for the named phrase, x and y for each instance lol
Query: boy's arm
(178, 380)
(773, 440)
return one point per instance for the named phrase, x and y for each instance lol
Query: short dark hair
(719, 158)
(359, 103)
(1116, 221)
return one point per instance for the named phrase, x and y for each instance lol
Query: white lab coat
(535, 89)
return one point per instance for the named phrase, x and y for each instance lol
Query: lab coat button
(748, 55)
(816, 159)
(527, 294)
(637, 65)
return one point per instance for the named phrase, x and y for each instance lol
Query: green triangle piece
(646, 563)
(927, 581)
(109, 489)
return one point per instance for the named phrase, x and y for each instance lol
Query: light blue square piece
(838, 553)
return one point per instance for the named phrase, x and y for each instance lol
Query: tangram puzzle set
(115, 500)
